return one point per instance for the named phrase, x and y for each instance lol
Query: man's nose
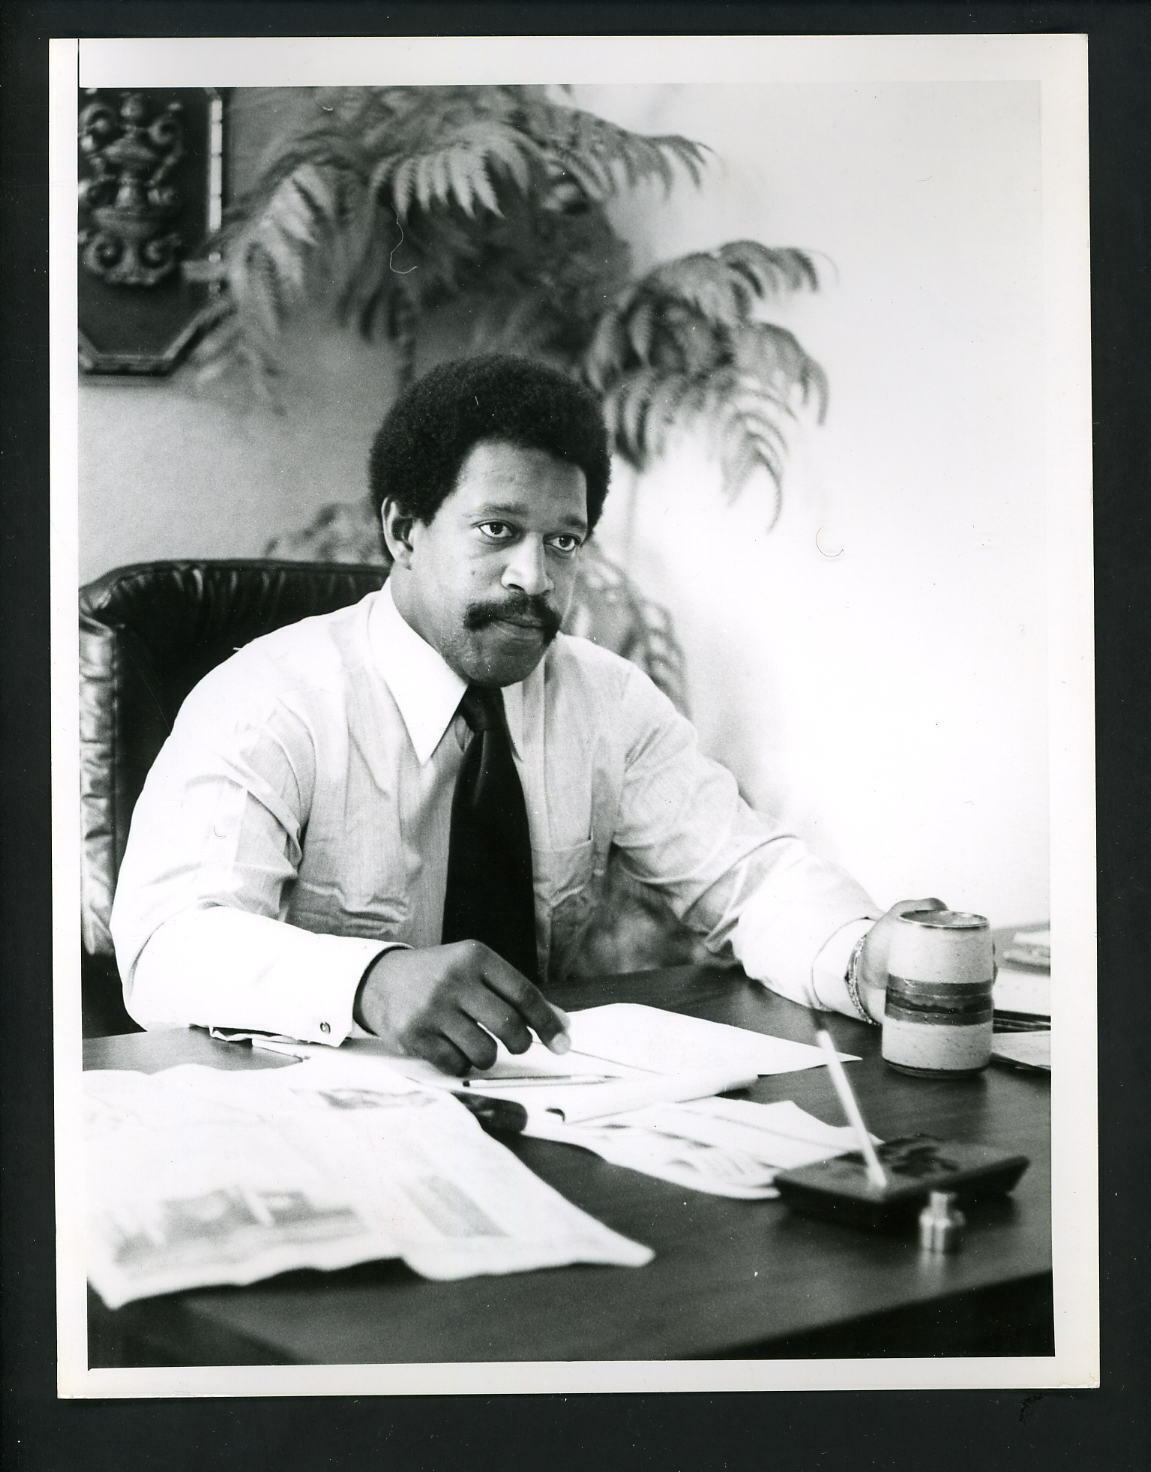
(527, 568)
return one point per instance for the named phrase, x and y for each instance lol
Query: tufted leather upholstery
(148, 633)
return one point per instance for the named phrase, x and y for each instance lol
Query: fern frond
(606, 354)
(215, 353)
(458, 169)
(515, 152)
(588, 173)
(672, 401)
(641, 409)
(265, 288)
(767, 270)
(774, 355)
(752, 415)
(641, 327)
(593, 149)
(674, 395)
(746, 430)
(427, 168)
(624, 407)
(634, 400)
(704, 284)
(461, 172)
(692, 157)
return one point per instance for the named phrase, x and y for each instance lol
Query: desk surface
(729, 1278)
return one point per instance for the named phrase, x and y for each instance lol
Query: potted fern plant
(494, 202)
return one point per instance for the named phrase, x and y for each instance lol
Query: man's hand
(876, 947)
(447, 1004)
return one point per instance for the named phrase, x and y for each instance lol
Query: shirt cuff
(229, 970)
(829, 970)
(332, 1021)
(337, 1022)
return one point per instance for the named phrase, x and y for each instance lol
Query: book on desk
(1022, 1000)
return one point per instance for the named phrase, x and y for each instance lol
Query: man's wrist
(359, 1016)
(358, 1000)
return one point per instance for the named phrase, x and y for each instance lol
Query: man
(335, 839)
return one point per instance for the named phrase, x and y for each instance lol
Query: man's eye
(497, 531)
(565, 543)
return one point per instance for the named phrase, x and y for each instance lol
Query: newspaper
(200, 1176)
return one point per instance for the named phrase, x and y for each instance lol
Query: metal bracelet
(852, 980)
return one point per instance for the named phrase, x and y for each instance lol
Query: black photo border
(803, 1430)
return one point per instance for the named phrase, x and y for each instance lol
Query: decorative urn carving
(128, 200)
(150, 177)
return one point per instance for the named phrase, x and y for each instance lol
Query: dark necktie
(489, 893)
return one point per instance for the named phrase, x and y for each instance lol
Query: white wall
(889, 700)
(170, 472)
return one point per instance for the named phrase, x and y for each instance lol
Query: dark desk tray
(839, 1189)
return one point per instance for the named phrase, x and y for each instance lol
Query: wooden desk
(730, 1279)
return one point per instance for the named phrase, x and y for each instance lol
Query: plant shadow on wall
(391, 205)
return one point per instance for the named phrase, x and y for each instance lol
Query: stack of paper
(638, 1088)
(1022, 990)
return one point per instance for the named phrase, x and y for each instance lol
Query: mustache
(527, 606)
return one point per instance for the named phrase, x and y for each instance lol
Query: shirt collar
(425, 690)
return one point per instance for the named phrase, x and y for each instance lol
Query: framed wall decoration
(150, 197)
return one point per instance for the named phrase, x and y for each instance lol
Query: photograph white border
(1058, 63)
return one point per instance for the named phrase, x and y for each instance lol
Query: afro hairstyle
(431, 429)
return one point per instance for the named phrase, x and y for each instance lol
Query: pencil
(536, 1080)
(875, 1172)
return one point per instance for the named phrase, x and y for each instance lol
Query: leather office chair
(151, 631)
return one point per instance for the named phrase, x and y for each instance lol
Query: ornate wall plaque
(150, 195)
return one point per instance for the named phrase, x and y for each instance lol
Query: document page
(623, 1056)
(725, 1147)
(670, 1042)
(200, 1176)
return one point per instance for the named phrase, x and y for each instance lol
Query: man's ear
(397, 529)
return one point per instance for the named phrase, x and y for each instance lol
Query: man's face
(488, 580)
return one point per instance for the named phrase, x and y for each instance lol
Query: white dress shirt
(296, 822)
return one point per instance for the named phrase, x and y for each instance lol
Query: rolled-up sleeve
(199, 920)
(737, 875)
